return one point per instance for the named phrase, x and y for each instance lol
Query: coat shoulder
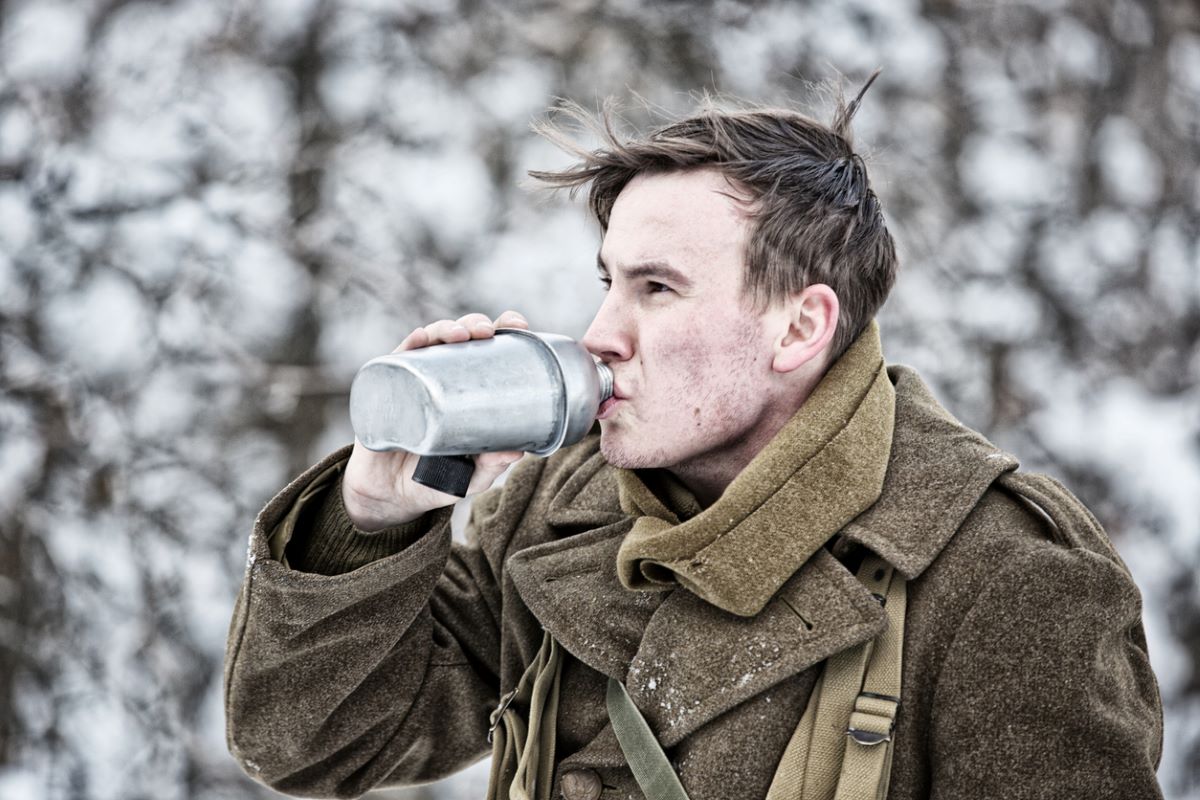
(1026, 535)
(1023, 514)
(1044, 632)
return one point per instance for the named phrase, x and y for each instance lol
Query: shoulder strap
(842, 748)
(643, 753)
(1074, 524)
(523, 748)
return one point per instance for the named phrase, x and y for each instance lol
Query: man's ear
(810, 320)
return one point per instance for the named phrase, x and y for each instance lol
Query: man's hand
(378, 490)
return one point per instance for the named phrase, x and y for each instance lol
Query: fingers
(479, 325)
(512, 319)
(418, 338)
(489, 466)
(499, 461)
(466, 327)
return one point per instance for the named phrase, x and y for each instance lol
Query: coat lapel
(695, 661)
(685, 661)
(587, 500)
(571, 586)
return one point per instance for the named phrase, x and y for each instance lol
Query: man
(709, 555)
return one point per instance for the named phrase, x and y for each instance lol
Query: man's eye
(654, 287)
(606, 282)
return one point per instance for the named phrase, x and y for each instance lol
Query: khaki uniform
(378, 658)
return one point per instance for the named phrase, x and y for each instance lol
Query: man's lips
(607, 407)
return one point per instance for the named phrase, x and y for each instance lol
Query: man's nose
(608, 337)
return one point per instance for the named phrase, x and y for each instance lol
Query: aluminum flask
(518, 390)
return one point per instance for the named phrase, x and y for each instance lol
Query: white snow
(1116, 239)
(1131, 171)
(17, 134)
(446, 192)
(1131, 24)
(18, 225)
(513, 91)
(102, 327)
(21, 454)
(1006, 171)
(148, 235)
(357, 330)
(14, 294)
(1142, 438)
(1077, 50)
(425, 108)
(249, 106)
(352, 89)
(1183, 54)
(167, 404)
(549, 275)
(263, 288)
(758, 46)
(43, 42)
(19, 781)
(1174, 265)
(999, 312)
(912, 52)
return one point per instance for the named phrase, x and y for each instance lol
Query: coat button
(581, 784)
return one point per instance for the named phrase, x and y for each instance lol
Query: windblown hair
(814, 216)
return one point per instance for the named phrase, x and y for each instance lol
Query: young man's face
(692, 363)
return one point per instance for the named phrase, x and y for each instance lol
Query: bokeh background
(213, 211)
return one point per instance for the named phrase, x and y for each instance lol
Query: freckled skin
(693, 360)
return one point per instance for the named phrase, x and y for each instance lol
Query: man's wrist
(370, 514)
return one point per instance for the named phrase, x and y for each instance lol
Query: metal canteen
(518, 390)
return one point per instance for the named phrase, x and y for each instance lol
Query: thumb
(489, 467)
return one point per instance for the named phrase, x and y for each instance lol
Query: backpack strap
(842, 748)
(643, 753)
(867, 766)
(523, 747)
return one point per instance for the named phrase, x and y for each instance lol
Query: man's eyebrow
(648, 269)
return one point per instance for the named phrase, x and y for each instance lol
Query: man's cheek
(684, 358)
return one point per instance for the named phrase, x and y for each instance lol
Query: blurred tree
(212, 212)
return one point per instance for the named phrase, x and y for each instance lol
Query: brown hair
(815, 217)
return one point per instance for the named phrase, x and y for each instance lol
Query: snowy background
(213, 211)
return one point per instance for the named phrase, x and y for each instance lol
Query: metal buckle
(868, 738)
(496, 715)
(871, 714)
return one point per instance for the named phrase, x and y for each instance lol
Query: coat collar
(821, 470)
(684, 660)
(937, 471)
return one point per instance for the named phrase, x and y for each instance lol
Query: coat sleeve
(387, 673)
(1047, 690)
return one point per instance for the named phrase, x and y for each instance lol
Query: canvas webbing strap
(867, 766)
(842, 748)
(651, 768)
(523, 753)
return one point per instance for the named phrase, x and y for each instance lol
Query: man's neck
(707, 478)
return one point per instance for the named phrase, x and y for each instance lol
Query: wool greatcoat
(357, 660)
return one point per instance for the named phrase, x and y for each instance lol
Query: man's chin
(620, 454)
